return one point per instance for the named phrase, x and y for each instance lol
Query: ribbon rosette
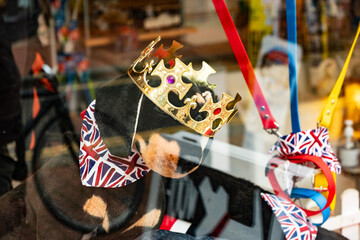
(311, 143)
(314, 142)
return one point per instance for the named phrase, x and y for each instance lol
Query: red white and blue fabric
(293, 220)
(98, 167)
(175, 225)
(313, 142)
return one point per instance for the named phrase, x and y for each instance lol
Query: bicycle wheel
(55, 138)
(53, 141)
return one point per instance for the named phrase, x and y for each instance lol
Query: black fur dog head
(123, 113)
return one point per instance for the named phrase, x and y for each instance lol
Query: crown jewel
(171, 80)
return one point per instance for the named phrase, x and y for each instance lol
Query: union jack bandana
(293, 220)
(313, 142)
(98, 167)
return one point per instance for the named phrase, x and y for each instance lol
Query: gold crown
(218, 113)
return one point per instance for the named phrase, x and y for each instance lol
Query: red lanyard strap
(274, 162)
(244, 63)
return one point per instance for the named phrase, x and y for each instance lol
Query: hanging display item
(299, 147)
(100, 168)
(219, 113)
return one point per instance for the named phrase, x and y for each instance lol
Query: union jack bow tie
(313, 142)
(293, 220)
(98, 167)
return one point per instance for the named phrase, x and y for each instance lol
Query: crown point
(200, 77)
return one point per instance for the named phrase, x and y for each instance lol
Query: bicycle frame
(55, 102)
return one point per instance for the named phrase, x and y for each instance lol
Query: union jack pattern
(98, 167)
(293, 220)
(313, 142)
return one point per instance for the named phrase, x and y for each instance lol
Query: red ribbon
(244, 63)
(274, 162)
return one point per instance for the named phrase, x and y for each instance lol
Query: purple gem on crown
(170, 79)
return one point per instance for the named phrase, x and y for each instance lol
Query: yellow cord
(324, 119)
(328, 110)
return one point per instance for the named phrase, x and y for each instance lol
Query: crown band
(218, 113)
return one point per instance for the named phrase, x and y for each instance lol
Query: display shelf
(144, 36)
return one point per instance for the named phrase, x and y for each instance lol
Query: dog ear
(115, 114)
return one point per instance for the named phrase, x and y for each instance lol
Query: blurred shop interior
(87, 43)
